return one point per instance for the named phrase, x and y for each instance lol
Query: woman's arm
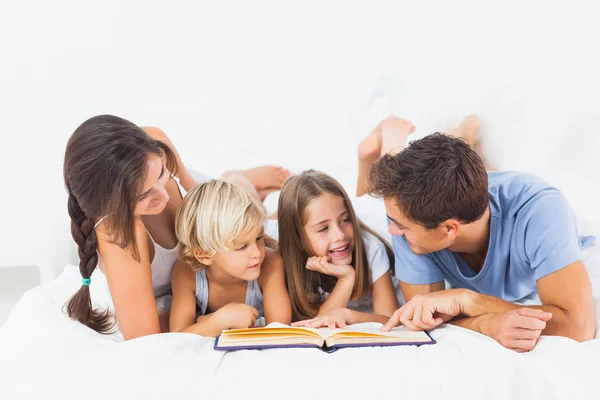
(384, 296)
(272, 282)
(130, 284)
(186, 179)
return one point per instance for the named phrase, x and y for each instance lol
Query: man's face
(421, 240)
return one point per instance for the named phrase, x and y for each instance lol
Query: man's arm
(548, 241)
(566, 294)
(410, 290)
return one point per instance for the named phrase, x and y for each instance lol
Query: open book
(358, 335)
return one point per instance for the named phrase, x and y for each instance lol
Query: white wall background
(238, 84)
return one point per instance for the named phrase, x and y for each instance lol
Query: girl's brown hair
(296, 195)
(105, 168)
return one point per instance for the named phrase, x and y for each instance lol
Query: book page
(367, 329)
(274, 328)
(373, 329)
(397, 332)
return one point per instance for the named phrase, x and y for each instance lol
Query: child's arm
(340, 295)
(230, 316)
(272, 282)
(342, 292)
(384, 296)
(183, 309)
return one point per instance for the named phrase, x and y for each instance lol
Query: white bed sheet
(44, 354)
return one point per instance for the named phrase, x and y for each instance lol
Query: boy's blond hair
(212, 216)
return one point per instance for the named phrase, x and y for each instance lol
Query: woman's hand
(322, 265)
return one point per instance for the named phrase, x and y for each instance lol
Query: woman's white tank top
(164, 259)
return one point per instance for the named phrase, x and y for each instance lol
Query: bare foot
(267, 176)
(368, 152)
(391, 133)
(468, 129)
(370, 147)
(262, 193)
(241, 181)
(394, 134)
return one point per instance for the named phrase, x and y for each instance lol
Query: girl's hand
(336, 318)
(322, 265)
(236, 316)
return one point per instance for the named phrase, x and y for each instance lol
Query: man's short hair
(436, 178)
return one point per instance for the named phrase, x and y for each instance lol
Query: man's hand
(517, 329)
(427, 311)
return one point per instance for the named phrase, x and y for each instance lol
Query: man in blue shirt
(497, 238)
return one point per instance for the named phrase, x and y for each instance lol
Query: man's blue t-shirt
(533, 233)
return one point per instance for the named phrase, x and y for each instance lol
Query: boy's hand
(236, 316)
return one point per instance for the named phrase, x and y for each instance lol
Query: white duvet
(43, 354)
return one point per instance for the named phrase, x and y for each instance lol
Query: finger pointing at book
(426, 311)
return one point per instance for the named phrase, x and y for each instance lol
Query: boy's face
(421, 240)
(245, 260)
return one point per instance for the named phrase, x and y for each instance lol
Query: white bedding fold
(43, 353)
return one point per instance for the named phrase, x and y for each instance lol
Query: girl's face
(154, 196)
(329, 229)
(245, 260)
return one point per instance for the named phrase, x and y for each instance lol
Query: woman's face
(154, 196)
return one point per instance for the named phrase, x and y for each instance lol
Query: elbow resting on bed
(584, 329)
(580, 328)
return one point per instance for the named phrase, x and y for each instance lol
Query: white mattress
(44, 354)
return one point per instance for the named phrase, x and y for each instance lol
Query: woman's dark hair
(105, 168)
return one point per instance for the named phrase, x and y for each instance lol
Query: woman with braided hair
(125, 184)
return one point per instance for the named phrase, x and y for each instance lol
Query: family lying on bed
(500, 240)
